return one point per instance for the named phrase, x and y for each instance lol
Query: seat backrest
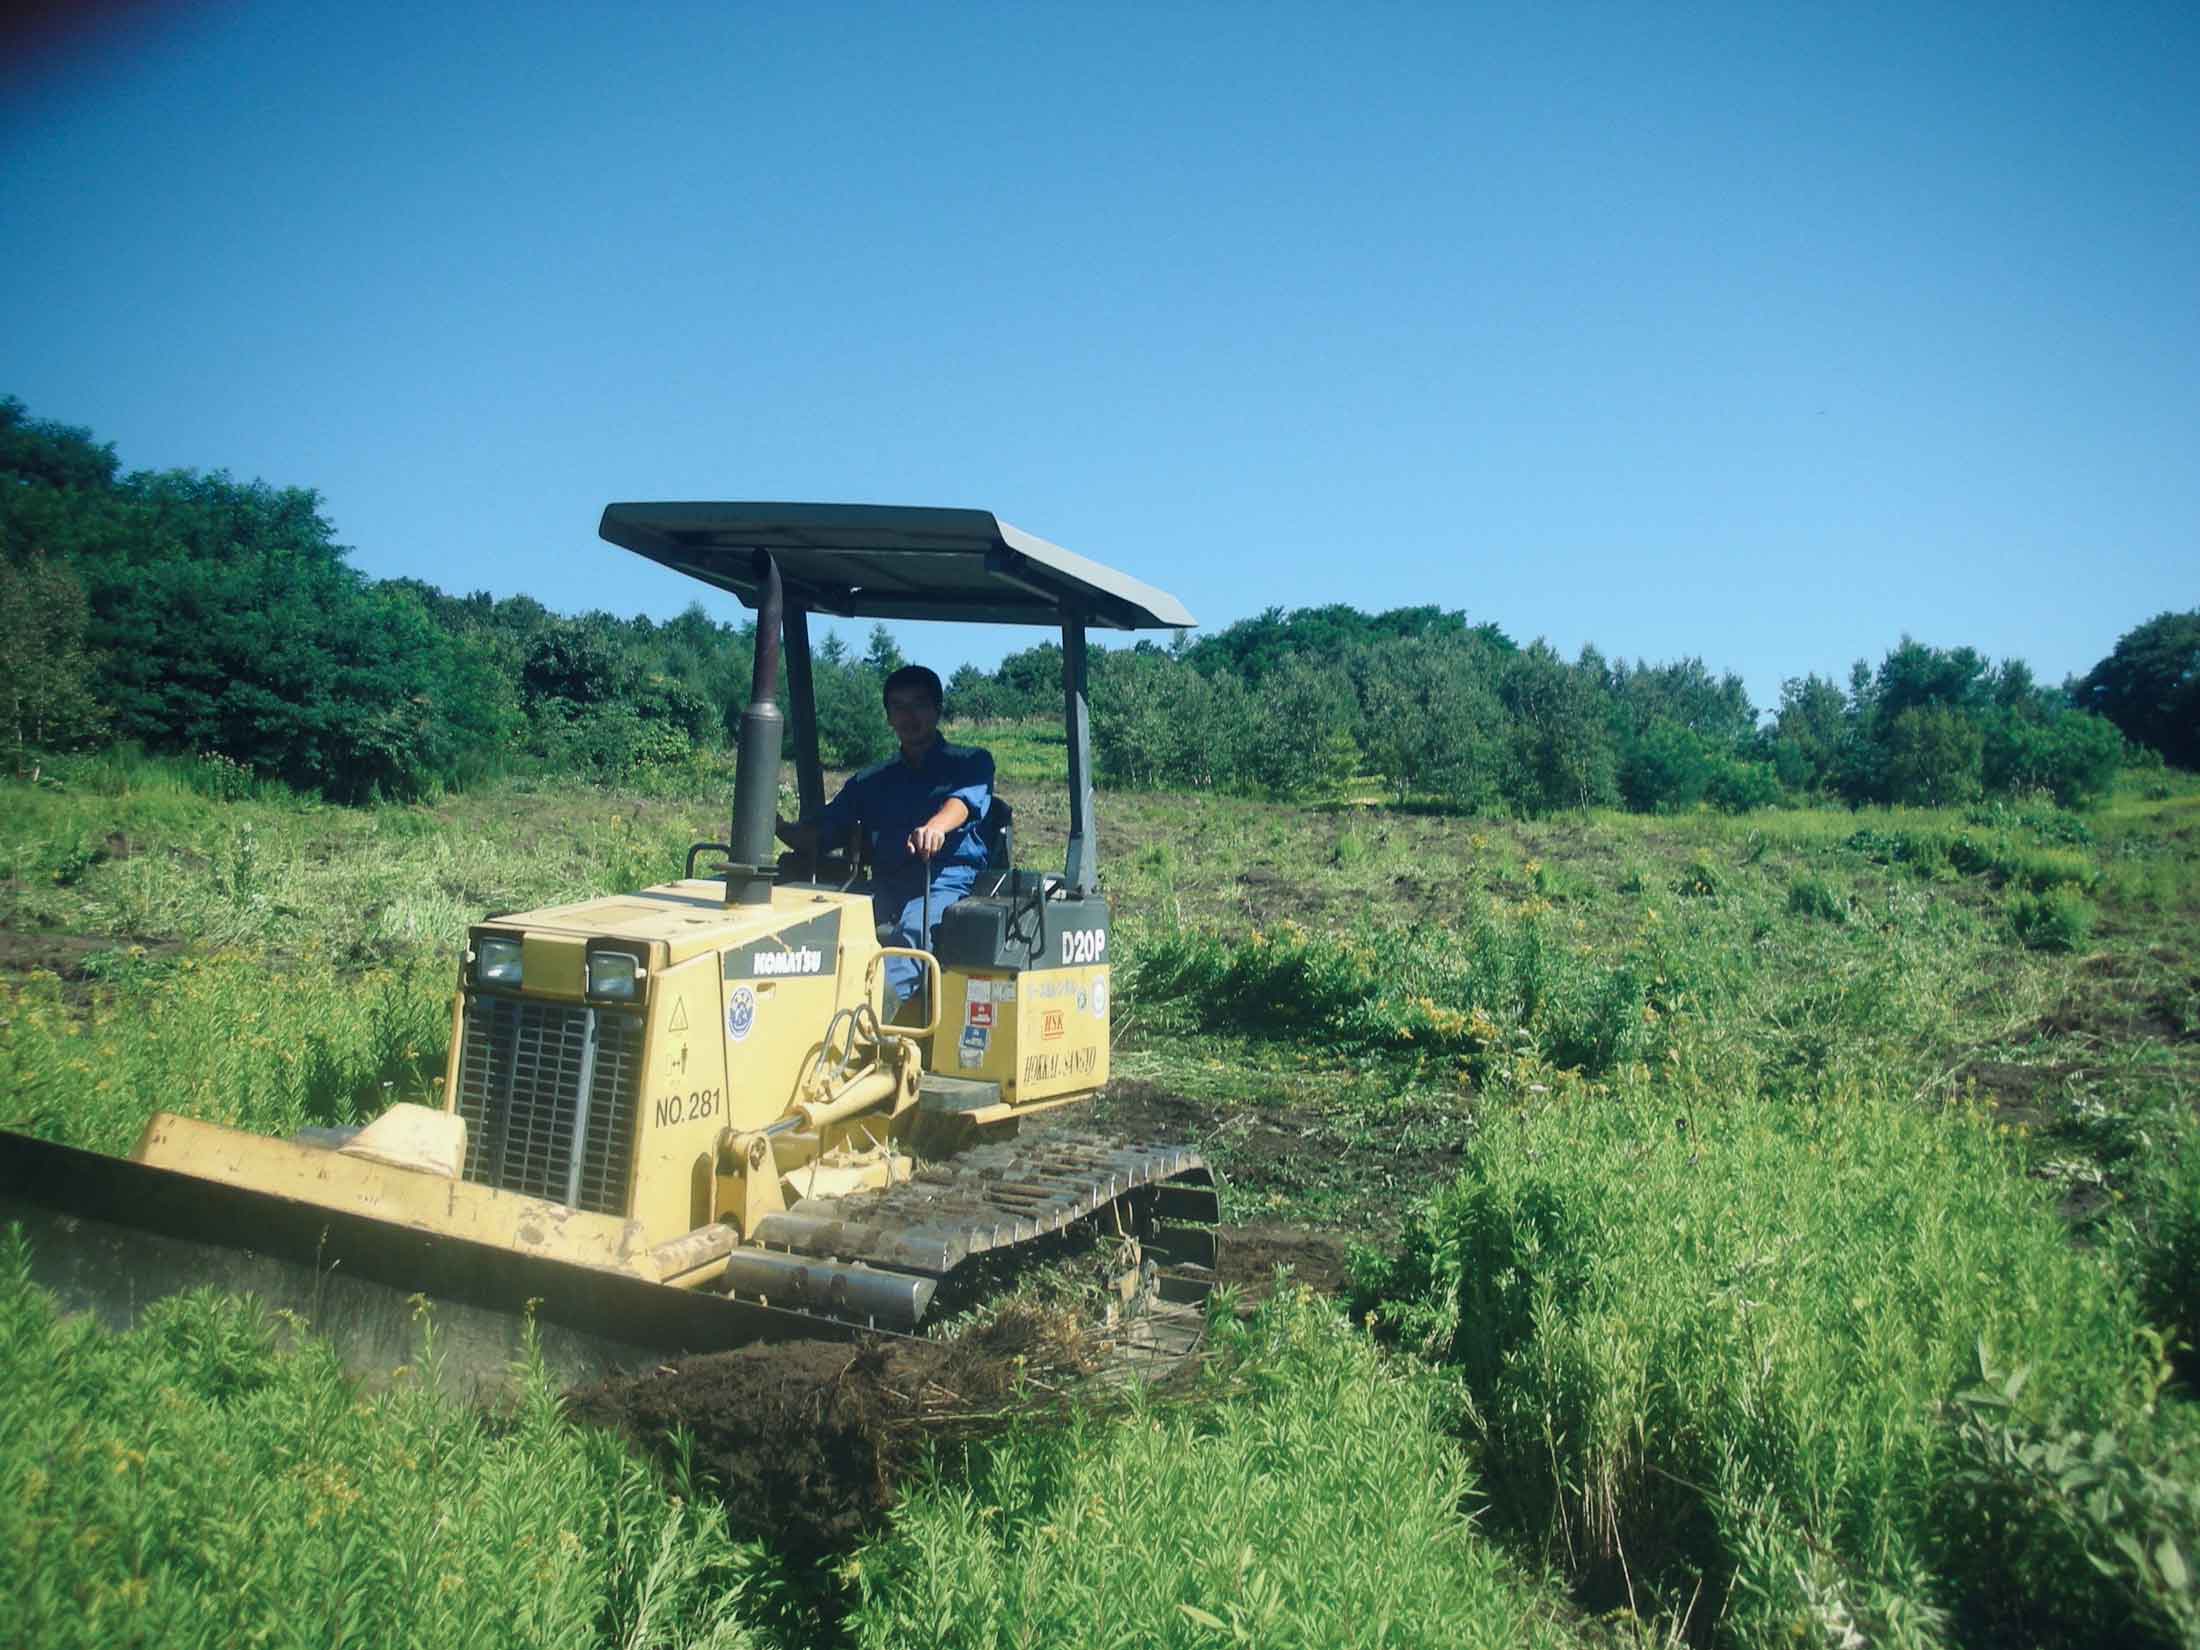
(998, 832)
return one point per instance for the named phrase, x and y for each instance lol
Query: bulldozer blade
(110, 1236)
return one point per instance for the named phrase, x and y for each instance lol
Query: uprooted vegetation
(1775, 1234)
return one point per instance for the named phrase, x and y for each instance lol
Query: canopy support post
(1081, 872)
(809, 777)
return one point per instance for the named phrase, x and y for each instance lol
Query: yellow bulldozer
(694, 1116)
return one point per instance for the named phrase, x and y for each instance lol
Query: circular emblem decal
(1100, 997)
(741, 1013)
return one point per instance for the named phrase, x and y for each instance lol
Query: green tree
(1686, 695)
(573, 664)
(1666, 768)
(882, 655)
(1156, 721)
(1430, 718)
(1810, 730)
(2149, 686)
(60, 456)
(1031, 681)
(852, 731)
(45, 675)
(974, 696)
(1563, 751)
(1308, 715)
(1914, 675)
(226, 619)
(2072, 754)
(1934, 755)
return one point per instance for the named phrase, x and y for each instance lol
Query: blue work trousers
(900, 903)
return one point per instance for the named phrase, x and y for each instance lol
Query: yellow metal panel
(1039, 1034)
(977, 1035)
(690, 919)
(683, 1105)
(1062, 1020)
(403, 1197)
(553, 965)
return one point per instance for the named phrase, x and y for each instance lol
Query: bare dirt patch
(808, 1442)
(1376, 1165)
(1250, 1256)
(65, 955)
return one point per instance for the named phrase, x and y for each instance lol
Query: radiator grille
(520, 1080)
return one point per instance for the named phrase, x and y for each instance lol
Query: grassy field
(1782, 1229)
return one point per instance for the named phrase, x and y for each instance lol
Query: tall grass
(133, 850)
(1710, 1353)
(190, 1484)
(221, 1037)
(1320, 1507)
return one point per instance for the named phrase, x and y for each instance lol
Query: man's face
(913, 717)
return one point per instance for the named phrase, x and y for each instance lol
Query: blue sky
(1756, 332)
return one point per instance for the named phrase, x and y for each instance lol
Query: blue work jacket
(892, 799)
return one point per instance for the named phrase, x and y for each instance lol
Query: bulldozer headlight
(496, 962)
(614, 975)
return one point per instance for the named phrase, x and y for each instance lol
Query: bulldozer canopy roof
(891, 561)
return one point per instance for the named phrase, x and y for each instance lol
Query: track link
(1001, 1195)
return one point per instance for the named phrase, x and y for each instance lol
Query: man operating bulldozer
(918, 812)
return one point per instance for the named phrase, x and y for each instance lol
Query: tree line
(191, 613)
(187, 612)
(1441, 710)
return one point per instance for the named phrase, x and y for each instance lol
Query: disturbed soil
(1375, 1166)
(808, 1442)
(67, 955)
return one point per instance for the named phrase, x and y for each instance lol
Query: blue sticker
(741, 1013)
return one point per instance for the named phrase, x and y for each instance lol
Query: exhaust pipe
(754, 862)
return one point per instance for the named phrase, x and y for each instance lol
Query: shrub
(220, 779)
(1700, 881)
(1812, 896)
(2058, 920)
(1495, 986)
(1739, 787)
(2167, 1199)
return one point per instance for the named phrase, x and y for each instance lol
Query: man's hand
(927, 839)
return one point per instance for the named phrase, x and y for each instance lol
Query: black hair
(915, 676)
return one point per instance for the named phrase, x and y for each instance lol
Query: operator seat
(997, 830)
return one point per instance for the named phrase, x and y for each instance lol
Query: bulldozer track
(993, 1197)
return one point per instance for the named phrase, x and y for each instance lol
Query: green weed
(218, 1037)
(194, 1483)
(1815, 897)
(1312, 1502)
(1478, 994)
(1700, 881)
(2058, 920)
(1710, 1348)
